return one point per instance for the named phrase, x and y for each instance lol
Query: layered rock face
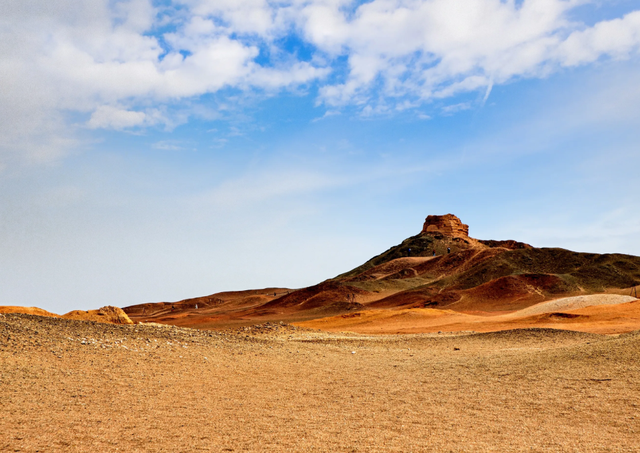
(448, 225)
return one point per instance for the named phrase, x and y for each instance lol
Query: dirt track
(80, 386)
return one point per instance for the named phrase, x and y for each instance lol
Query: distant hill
(441, 267)
(108, 314)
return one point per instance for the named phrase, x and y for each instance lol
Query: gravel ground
(77, 386)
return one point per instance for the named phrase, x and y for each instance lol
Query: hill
(108, 314)
(440, 268)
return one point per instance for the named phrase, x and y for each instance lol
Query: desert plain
(77, 386)
(443, 343)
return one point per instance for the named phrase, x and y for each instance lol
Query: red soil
(603, 319)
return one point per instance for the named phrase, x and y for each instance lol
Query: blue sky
(153, 151)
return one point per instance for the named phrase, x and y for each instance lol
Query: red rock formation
(448, 225)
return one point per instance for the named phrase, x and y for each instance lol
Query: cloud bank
(117, 64)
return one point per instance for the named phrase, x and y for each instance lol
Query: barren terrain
(598, 313)
(502, 348)
(77, 386)
(440, 279)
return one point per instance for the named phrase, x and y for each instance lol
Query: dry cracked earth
(77, 386)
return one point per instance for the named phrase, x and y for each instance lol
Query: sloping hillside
(442, 267)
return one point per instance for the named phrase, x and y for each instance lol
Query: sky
(159, 150)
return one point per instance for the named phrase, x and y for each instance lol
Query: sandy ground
(593, 314)
(74, 386)
(575, 303)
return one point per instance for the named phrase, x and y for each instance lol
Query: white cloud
(618, 38)
(439, 48)
(451, 109)
(110, 61)
(111, 117)
(326, 114)
(240, 16)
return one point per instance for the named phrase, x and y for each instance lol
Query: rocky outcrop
(108, 314)
(114, 315)
(447, 225)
